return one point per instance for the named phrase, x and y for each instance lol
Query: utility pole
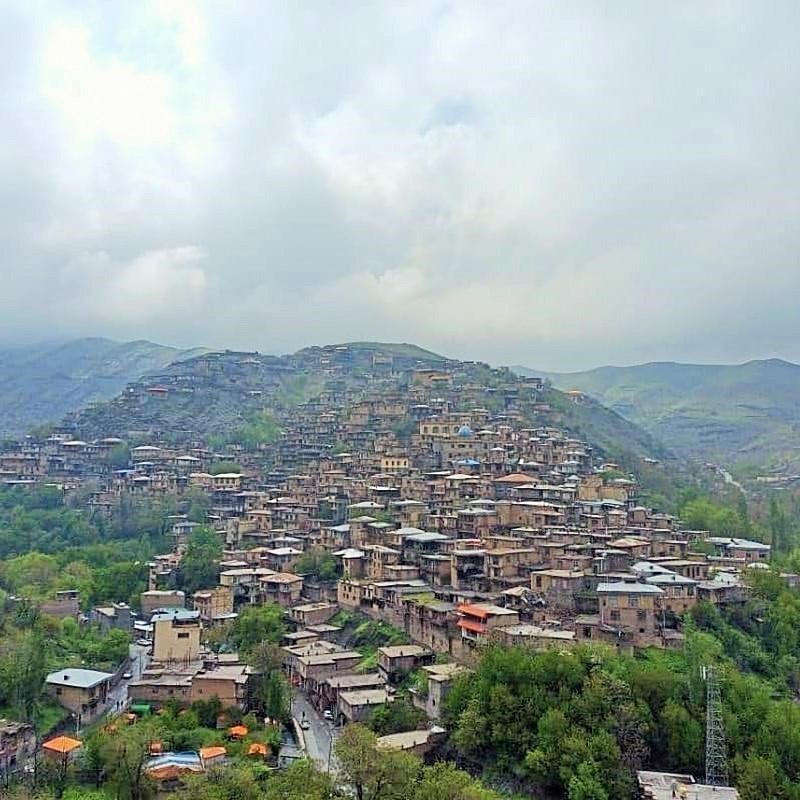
(716, 751)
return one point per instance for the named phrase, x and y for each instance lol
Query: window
(587, 633)
(615, 616)
(538, 581)
(633, 601)
(183, 635)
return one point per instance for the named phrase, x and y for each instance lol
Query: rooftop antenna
(716, 751)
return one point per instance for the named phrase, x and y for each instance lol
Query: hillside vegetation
(742, 414)
(42, 383)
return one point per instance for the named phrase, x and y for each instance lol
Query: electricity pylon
(716, 751)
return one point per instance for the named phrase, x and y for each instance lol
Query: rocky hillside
(741, 414)
(42, 383)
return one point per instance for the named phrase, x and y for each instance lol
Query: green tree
(257, 624)
(778, 524)
(300, 781)
(318, 562)
(704, 514)
(585, 784)
(260, 429)
(396, 717)
(758, 778)
(225, 467)
(374, 774)
(123, 581)
(222, 783)
(198, 504)
(124, 756)
(200, 563)
(445, 781)
(207, 711)
(119, 457)
(684, 739)
(273, 692)
(22, 671)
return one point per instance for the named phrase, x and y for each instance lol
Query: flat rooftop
(80, 678)
(401, 650)
(355, 680)
(365, 697)
(660, 785)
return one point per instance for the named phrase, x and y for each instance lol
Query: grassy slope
(398, 349)
(610, 433)
(743, 413)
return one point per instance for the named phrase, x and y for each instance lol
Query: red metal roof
(473, 611)
(471, 625)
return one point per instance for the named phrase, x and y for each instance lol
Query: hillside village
(453, 508)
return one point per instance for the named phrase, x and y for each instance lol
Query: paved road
(320, 736)
(728, 478)
(118, 696)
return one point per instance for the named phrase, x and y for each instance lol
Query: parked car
(305, 724)
(143, 642)
(328, 714)
(127, 675)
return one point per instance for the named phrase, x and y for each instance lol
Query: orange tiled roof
(62, 744)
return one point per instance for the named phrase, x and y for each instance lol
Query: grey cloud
(559, 185)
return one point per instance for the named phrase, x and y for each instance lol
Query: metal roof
(82, 678)
(621, 587)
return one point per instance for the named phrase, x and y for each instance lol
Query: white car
(126, 676)
(328, 714)
(143, 642)
(305, 724)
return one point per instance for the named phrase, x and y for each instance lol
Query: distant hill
(231, 393)
(41, 383)
(745, 414)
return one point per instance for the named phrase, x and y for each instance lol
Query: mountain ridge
(43, 382)
(726, 413)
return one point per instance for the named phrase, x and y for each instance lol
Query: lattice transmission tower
(716, 751)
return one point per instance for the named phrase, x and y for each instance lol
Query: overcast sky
(556, 184)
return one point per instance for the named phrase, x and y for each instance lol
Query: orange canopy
(170, 772)
(156, 747)
(62, 745)
(238, 731)
(207, 753)
(257, 749)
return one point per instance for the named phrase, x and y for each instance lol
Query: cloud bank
(560, 185)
